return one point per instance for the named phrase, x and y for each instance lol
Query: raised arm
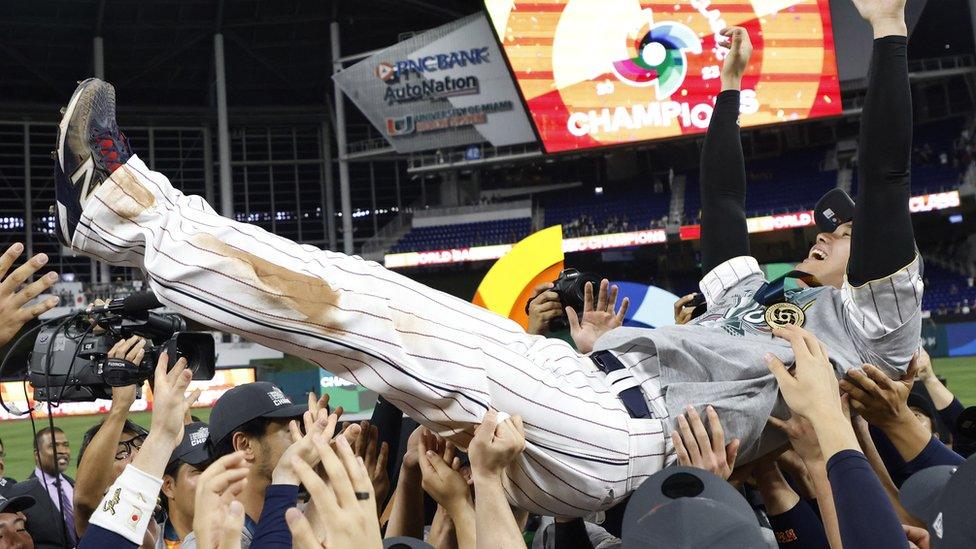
(723, 173)
(883, 241)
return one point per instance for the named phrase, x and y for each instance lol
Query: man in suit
(49, 519)
(6, 483)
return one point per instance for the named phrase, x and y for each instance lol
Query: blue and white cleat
(90, 148)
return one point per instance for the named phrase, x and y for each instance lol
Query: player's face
(53, 455)
(184, 488)
(923, 419)
(827, 259)
(127, 447)
(13, 532)
(273, 444)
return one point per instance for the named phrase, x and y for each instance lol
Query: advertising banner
(446, 87)
(21, 395)
(607, 72)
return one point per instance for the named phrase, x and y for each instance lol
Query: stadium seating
(790, 183)
(640, 207)
(444, 237)
(945, 289)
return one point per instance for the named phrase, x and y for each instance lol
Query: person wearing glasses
(6, 483)
(115, 440)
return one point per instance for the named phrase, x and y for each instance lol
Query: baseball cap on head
(944, 498)
(834, 208)
(249, 401)
(667, 510)
(193, 449)
(16, 504)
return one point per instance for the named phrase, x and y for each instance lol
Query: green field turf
(18, 438)
(960, 373)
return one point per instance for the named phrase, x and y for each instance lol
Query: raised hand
(219, 517)
(598, 318)
(695, 448)
(887, 17)
(495, 445)
(374, 457)
(442, 478)
(303, 447)
(544, 307)
(812, 387)
(346, 504)
(14, 312)
(170, 401)
(802, 437)
(878, 398)
(737, 60)
(682, 312)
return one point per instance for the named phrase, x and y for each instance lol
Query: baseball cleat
(89, 148)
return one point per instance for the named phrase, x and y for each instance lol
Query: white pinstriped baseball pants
(440, 359)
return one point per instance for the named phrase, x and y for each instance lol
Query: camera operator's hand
(682, 311)
(544, 307)
(132, 350)
(597, 320)
(737, 59)
(13, 312)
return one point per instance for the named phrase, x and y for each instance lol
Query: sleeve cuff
(128, 506)
(727, 276)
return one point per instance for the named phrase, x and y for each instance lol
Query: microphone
(134, 304)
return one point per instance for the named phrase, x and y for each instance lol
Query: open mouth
(818, 253)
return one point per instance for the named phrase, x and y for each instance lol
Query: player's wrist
(284, 474)
(731, 83)
(892, 25)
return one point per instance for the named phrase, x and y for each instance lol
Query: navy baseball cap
(16, 504)
(193, 449)
(667, 510)
(833, 210)
(943, 496)
(249, 401)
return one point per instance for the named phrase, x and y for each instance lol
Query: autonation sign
(446, 87)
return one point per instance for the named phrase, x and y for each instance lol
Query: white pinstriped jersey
(441, 360)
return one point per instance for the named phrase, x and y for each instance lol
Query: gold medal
(779, 315)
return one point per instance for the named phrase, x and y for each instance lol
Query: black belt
(632, 397)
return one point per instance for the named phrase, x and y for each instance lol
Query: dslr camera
(571, 288)
(70, 363)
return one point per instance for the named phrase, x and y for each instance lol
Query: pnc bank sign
(391, 71)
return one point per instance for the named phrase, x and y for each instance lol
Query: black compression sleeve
(724, 234)
(883, 240)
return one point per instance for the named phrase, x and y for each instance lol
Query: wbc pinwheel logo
(658, 57)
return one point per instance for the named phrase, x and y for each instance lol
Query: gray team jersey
(717, 359)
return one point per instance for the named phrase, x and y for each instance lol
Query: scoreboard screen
(607, 72)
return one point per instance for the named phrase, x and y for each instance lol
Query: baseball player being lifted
(595, 425)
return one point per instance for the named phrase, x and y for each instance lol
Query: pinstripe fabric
(442, 360)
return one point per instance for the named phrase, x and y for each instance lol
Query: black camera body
(69, 363)
(571, 288)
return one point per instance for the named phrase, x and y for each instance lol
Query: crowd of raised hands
(344, 472)
(832, 461)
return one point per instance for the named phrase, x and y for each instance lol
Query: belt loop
(632, 397)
